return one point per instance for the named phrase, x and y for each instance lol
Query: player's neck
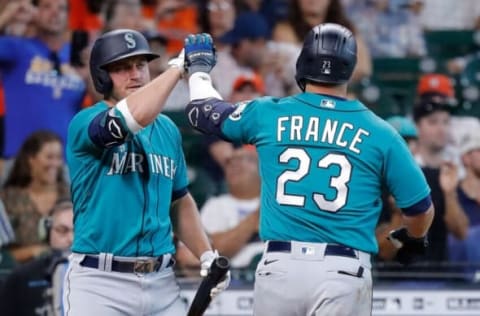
(336, 91)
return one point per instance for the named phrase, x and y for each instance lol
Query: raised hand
(199, 53)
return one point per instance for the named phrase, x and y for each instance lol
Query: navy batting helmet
(111, 47)
(329, 55)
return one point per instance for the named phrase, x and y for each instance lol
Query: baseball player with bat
(323, 159)
(127, 167)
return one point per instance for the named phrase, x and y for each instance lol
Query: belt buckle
(143, 266)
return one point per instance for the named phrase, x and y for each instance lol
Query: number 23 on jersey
(339, 183)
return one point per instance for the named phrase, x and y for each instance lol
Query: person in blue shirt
(42, 90)
(127, 168)
(322, 161)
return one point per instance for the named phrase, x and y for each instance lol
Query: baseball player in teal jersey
(127, 168)
(323, 160)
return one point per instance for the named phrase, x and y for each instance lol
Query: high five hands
(199, 53)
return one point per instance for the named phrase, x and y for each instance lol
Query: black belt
(138, 266)
(330, 249)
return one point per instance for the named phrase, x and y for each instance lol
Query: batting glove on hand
(206, 260)
(178, 62)
(199, 53)
(409, 248)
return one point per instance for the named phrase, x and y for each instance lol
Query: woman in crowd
(35, 183)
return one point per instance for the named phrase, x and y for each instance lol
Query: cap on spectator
(249, 79)
(404, 126)
(430, 104)
(247, 25)
(470, 142)
(435, 84)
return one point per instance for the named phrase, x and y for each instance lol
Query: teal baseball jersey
(323, 161)
(122, 193)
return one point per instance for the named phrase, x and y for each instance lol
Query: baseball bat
(202, 298)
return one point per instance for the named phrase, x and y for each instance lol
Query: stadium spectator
(305, 14)
(86, 15)
(35, 183)
(389, 28)
(272, 10)
(176, 19)
(34, 288)
(432, 117)
(42, 90)
(16, 18)
(125, 14)
(216, 18)
(467, 250)
(231, 219)
(435, 85)
(450, 15)
(247, 41)
(7, 236)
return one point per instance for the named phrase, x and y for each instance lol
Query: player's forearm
(190, 230)
(418, 225)
(455, 219)
(147, 102)
(230, 242)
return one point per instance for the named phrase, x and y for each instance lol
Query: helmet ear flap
(301, 83)
(101, 80)
(105, 83)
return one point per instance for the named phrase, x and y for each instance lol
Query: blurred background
(418, 68)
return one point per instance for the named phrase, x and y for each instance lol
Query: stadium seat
(445, 44)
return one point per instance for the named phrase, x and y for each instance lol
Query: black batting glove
(409, 248)
(199, 53)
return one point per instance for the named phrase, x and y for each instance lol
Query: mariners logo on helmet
(130, 40)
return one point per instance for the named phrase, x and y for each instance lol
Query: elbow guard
(107, 130)
(207, 115)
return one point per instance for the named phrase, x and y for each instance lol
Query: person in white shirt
(231, 219)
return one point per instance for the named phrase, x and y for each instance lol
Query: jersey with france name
(36, 95)
(122, 195)
(322, 162)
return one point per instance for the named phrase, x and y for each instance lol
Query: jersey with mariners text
(122, 195)
(323, 161)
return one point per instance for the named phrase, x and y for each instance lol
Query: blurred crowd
(44, 81)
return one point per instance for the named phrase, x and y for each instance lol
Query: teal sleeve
(242, 125)
(404, 178)
(78, 137)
